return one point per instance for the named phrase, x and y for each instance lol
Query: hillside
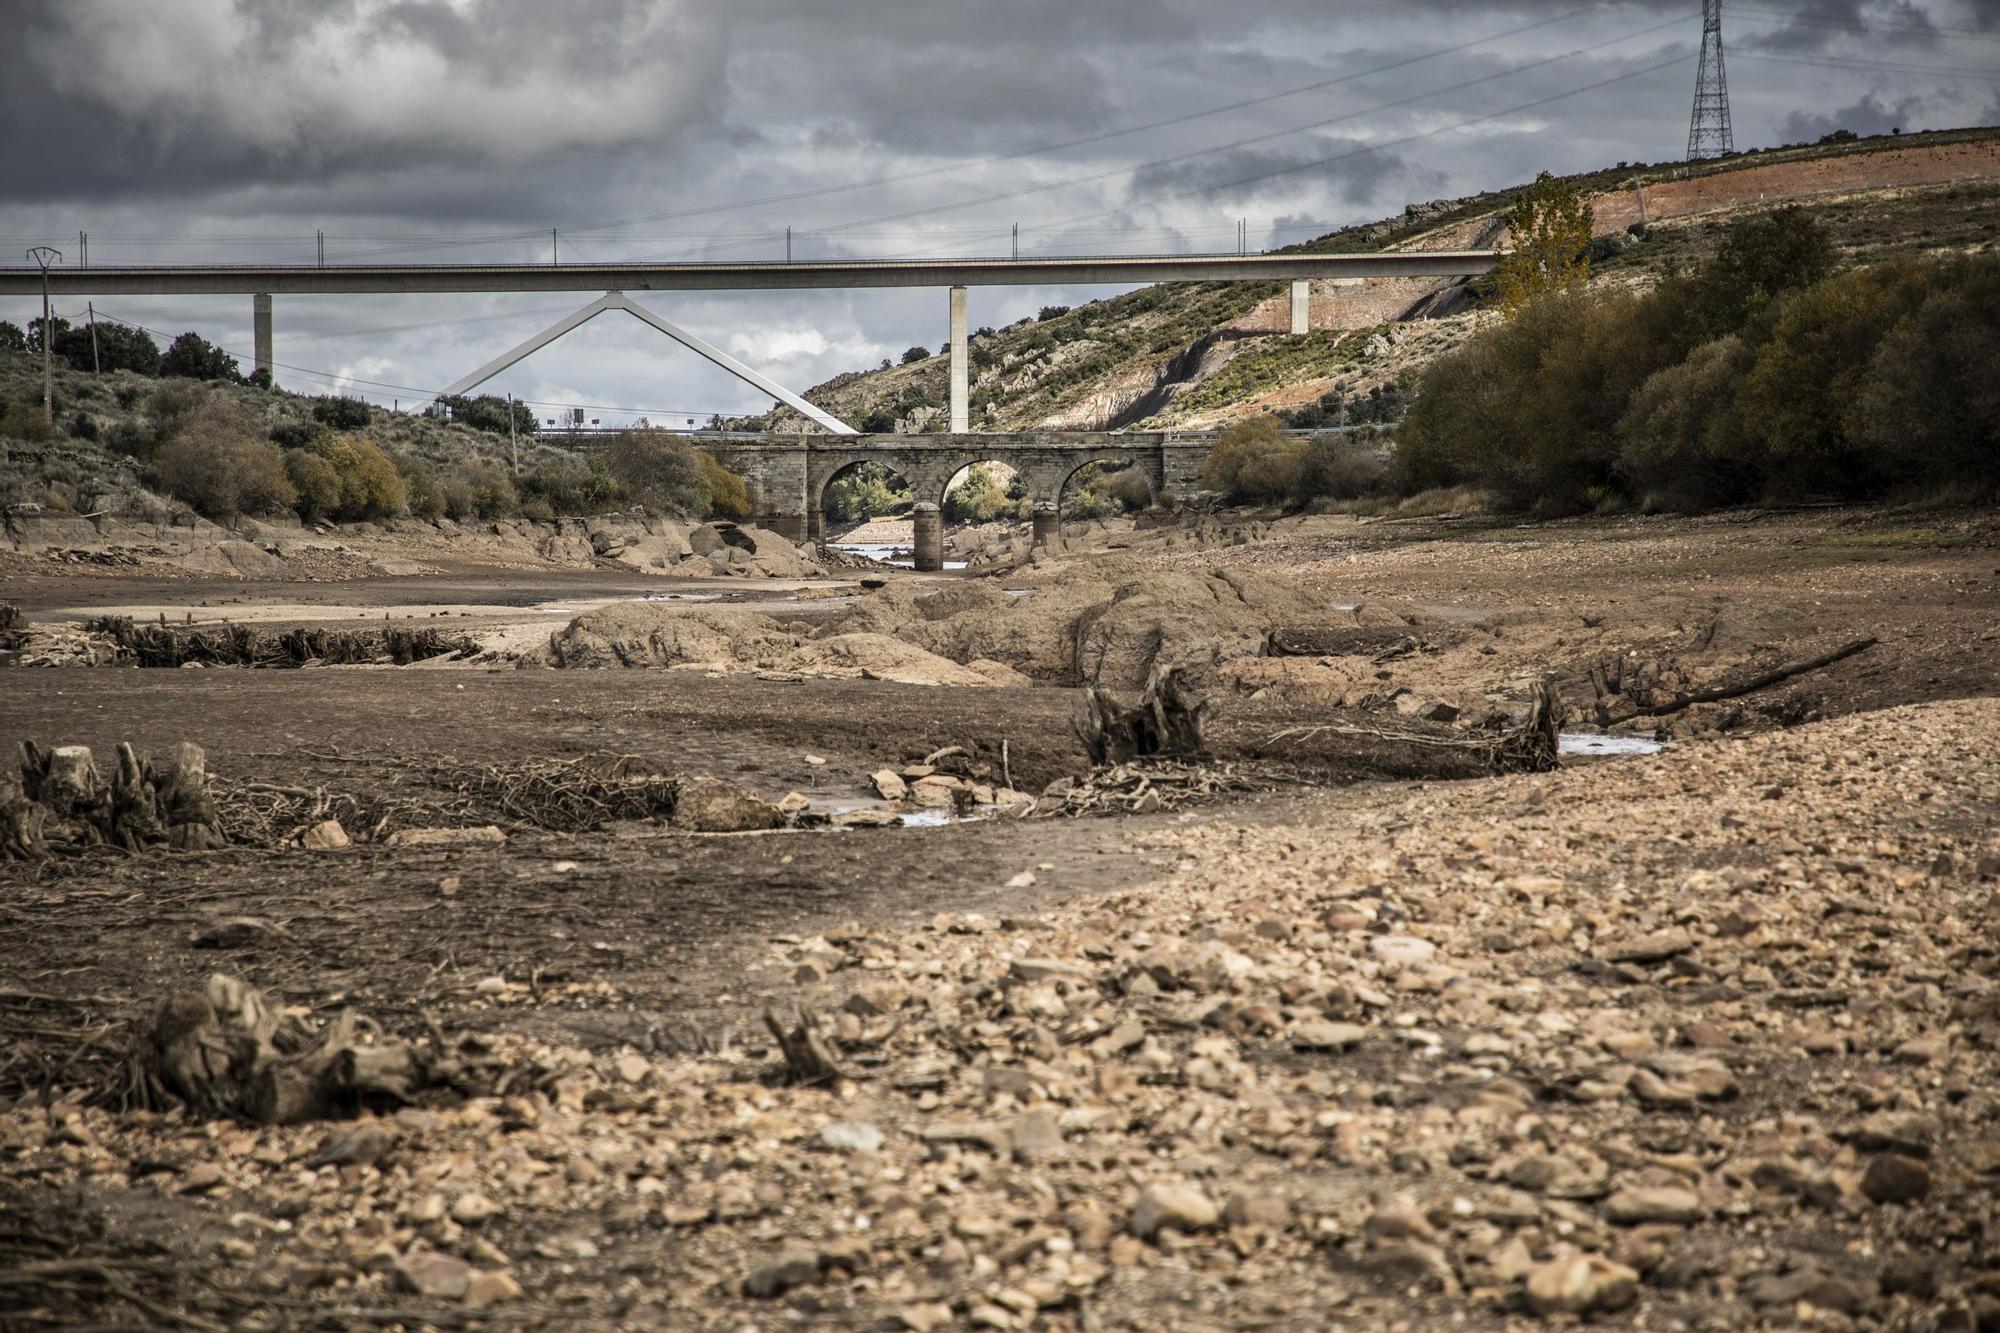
(1195, 355)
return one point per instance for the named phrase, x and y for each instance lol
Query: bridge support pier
(1301, 306)
(928, 536)
(1048, 524)
(260, 332)
(961, 367)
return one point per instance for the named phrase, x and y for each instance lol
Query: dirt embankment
(1777, 182)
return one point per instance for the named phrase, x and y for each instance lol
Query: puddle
(1601, 743)
(884, 553)
(834, 806)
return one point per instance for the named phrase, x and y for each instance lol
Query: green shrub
(1333, 468)
(1796, 401)
(728, 497)
(659, 471)
(865, 491)
(420, 484)
(1253, 463)
(1130, 488)
(1680, 442)
(171, 406)
(980, 498)
(1928, 406)
(221, 475)
(297, 434)
(342, 413)
(478, 489)
(565, 484)
(370, 485)
(23, 420)
(315, 483)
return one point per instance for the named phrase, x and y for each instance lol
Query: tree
(916, 354)
(193, 357)
(1759, 261)
(1549, 230)
(61, 326)
(118, 347)
(11, 338)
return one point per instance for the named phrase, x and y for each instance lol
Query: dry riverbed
(1707, 1037)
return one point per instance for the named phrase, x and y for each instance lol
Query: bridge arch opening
(987, 491)
(1106, 487)
(867, 507)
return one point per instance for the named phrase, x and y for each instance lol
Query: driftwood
(222, 1050)
(1164, 723)
(1606, 714)
(1410, 750)
(61, 800)
(239, 645)
(809, 1060)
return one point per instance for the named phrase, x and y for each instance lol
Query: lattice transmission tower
(1708, 128)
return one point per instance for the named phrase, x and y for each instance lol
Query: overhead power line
(1247, 141)
(1041, 149)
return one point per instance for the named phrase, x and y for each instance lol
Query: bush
(370, 485)
(865, 491)
(1129, 487)
(479, 489)
(23, 420)
(297, 434)
(1797, 399)
(83, 426)
(1530, 409)
(1680, 446)
(488, 412)
(1336, 469)
(170, 407)
(420, 482)
(315, 484)
(915, 354)
(1928, 407)
(566, 484)
(1253, 463)
(222, 475)
(659, 471)
(728, 497)
(980, 498)
(342, 413)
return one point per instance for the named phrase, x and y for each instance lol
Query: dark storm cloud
(1865, 117)
(705, 127)
(1821, 25)
(1355, 175)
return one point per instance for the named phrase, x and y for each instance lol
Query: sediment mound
(1107, 625)
(880, 657)
(644, 634)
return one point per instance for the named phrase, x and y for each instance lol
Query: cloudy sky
(461, 130)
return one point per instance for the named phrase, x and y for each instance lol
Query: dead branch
(809, 1060)
(1776, 676)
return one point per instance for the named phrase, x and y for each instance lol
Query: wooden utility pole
(46, 255)
(96, 364)
(513, 445)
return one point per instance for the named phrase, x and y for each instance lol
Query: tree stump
(185, 805)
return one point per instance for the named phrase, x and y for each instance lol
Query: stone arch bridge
(787, 475)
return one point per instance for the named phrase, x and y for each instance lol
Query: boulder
(716, 805)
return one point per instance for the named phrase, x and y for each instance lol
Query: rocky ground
(1706, 1038)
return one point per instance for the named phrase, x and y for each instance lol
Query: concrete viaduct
(616, 281)
(787, 475)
